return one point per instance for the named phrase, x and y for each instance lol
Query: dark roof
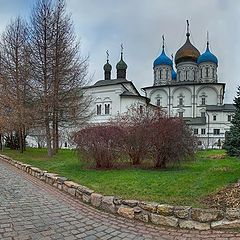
(183, 84)
(222, 108)
(110, 82)
(195, 121)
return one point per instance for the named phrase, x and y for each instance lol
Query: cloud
(139, 25)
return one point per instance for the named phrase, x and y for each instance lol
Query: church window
(201, 72)
(107, 108)
(179, 75)
(195, 131)
(141, 109)
(203, 115)
(229, 118)
(186, 77)
(213, 73)
(214, 117)
(203, 131)
(216, 131)
(99, 109)
(203, 101)
(158, 102)
(180, 101)
(207, 70)
(160, 73)
(167, 74)
(180, 114)
(194, 75)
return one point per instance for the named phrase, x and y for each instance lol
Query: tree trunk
(48, 135)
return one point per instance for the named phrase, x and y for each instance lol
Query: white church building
(191, 92)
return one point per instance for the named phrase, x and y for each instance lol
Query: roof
(163, 59)
(101, 83)
(207, 56)
(222, 108)
(195, 121)
(174, 83)
(187, 52)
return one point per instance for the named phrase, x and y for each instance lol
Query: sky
(139, 25)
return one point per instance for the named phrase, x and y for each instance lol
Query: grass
(185, 185)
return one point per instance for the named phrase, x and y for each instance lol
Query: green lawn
(185, 185)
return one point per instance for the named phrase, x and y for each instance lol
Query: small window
(194, 75)
(99, 109)
(179, 75)
(180, 101)
(107, 108)
(186, 77)
(229, 118)
(201, 72)
(195, 130)
(213, 73)
(216, 131)
(166, 74)
(203, 131)
(214, 117)
(203, 115)
(207, 71)
(181, 114)
(141, 109)
(203, 101)
(158, 102)
(160, 73)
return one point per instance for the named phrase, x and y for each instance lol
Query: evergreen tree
(232, 142)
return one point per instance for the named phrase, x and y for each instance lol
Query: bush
(146, 136)
(100, 144)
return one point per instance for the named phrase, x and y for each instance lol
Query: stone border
(160, 214)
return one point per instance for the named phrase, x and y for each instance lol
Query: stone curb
(159, 214)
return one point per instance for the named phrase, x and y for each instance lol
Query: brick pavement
(31, 209)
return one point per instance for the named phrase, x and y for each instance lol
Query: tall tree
(232, 140)
(59, 71)
(14, 48)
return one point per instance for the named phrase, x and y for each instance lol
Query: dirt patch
(218, 156)
(228, 197)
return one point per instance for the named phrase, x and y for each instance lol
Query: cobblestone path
(31, 209)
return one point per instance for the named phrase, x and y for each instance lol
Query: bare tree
(14, 94)
(59, 71)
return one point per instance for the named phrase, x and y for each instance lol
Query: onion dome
(187, 52)
(107, 67)
(207, 57)
(174, 75)
(121, 65)
(163, 59)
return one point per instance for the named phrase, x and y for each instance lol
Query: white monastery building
(191, 92)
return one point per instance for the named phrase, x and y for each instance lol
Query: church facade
(191, 92)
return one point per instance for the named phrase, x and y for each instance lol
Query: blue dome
(174, 75)
(163, 59)
(207, 57)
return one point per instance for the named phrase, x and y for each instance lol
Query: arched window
(160, 74)
(179, 74)
(213, 73)
(167, 74)
(201, 72)
(180, 101)
(107, 108)
(158, 102)
(99, 109)
(203, 101)
(207, 71)
(186, 77)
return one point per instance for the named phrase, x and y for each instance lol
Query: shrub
(171, 142)
(100, 144)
